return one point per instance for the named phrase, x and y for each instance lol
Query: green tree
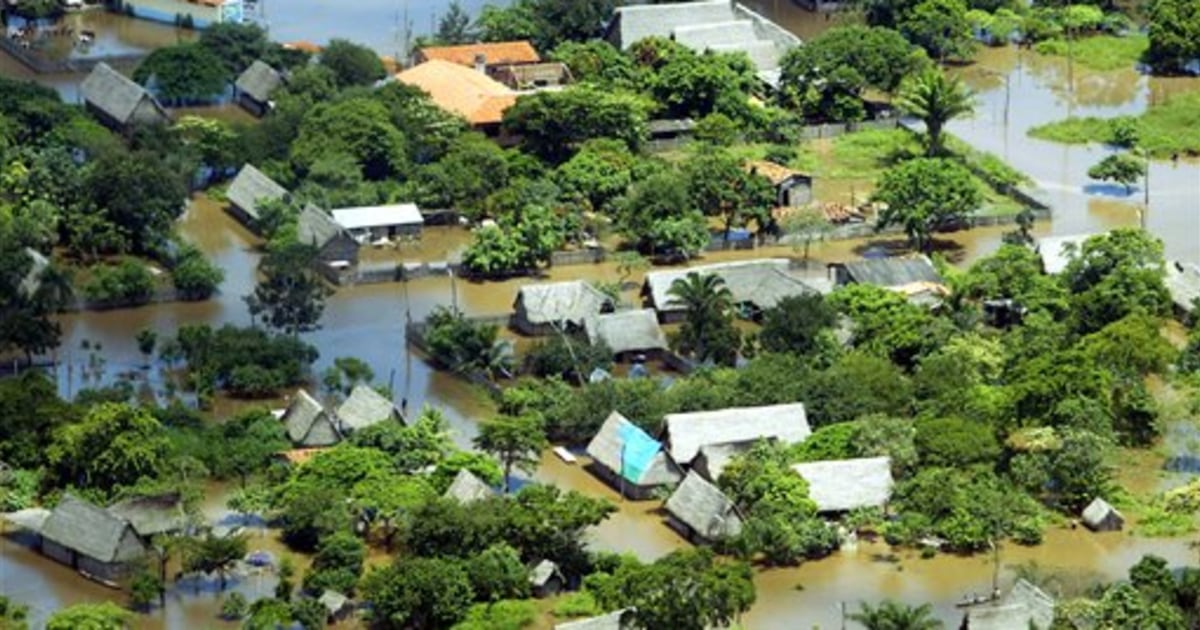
(656, 215)
(925, 195)
(234, 606)
(290, 297)
(146, 340)
(212, 554)
(352, 64)
(796, 323)
(497, 573)
(113, 444)
(453, 26)
(102, 616)
(359, 127)
(955, 443)
(195, 277)
(508, 23)
(36, 9)
(596, 61)
(183, 73)
(145, 587)
(1121, 168)
(517, 442)
(1115, 274)
(891, 615)
(140, 194)
(13, 615)
(940, 27)
(1174, 35)
(708, 333)
(720, 187)
(858, 384)
(552, 124)
(337, 564)
(936, 98)
(418, 593)
(600, 172)
(664, 593)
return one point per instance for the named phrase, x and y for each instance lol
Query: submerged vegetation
(1166, 129)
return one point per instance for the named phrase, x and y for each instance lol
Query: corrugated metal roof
(316, 227)
(572, 301)
(1054, 250)
(379, 216)
(848, 484)
(762, 282)
(893, 272)
(687, 432)
(258, 81)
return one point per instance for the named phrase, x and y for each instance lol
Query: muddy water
(1038, 92)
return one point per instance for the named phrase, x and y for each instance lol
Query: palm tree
(936, 99)
(707, 302)
(891, 615)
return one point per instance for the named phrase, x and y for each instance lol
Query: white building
(373, 223)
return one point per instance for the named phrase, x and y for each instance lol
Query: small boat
(564, 454)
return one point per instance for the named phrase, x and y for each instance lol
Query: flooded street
(368, 322)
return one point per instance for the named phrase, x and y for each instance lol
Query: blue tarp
(637, 451)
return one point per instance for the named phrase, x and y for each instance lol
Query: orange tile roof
(463, 91)
(494, 53)
(307, 47)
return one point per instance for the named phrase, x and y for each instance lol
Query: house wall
(252, 105)
(239, 213)
(131, 547)
(108, 571)
(322, 433)
(147, 113)
(341, 247)
(58, 553)
(795, 193)
(168, 11)
(632, 491)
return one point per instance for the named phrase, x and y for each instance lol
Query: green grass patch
(866, 154)
(1155, 517)
(575, 605)
(1170, 128)
(1104, 53)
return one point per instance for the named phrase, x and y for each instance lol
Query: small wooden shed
(1100, 516)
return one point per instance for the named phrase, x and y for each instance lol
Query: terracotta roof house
(467, 92)
(365, 407)
(627, 458)
(255, 85)
(687, 433)
(308, 424)
(1025, 606)
(616, 620)
(90, 539)
(333, 242)
(247, 190)
(532, 76)
(551, 307)
(756, 285)
(848, 484)
(118, 102)
(629, 334)
(467, 488)
(792, 188)
(716, 25)
(1057, 251)
(701, 512)
(486, 54)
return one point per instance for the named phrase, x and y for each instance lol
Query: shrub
(234, 606)
(128, 283)
(195, 277)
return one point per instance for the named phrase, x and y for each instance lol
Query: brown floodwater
(368, 322)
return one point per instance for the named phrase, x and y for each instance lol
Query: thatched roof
(627, 331)
(252, 186)
(86, 528)
(616, 620)
(258, 81)
(848, 484)
(1025, 606)
(894, 272)
(570, 302)
(762, 283)
(717, 456)
(687, 432)
(1183, 283)
(32, 519)
(152, 515)
(467, 488)
(1053, 250)
(303, 414)
(365, 407)
(624, 448)
(1097, 512)
(704, 508)
(114, 94)
(315, 227)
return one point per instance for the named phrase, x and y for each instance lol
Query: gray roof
(32, 519)
(252, 186)
(1094, 514)
(627, 331)
(1053, 250)
(1025, 606)
(893, 272)
(33, 278)
(113, 93)
(622, 447)
(848, 484)
(704, 508)
(543, 572)
(717, 457)
(1183, 282)
(467, 488)
(333, 601)
(615, 620)
(365, 407)
(258, 81)
(687, 432)
(152, 515)
(315, 227)
(762, 282)
(86, 528)
(572, 302)
(301, 415)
